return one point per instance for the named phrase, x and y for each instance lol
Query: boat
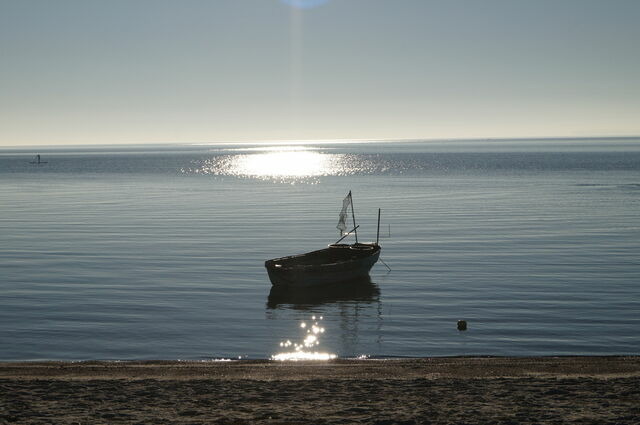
(338, 262)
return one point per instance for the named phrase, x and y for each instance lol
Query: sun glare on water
(306, 350)
(282, 163)
(285, 164)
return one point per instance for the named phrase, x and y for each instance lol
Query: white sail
(343, 217)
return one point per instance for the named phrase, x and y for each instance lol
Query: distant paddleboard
(38, 161)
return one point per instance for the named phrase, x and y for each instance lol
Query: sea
(157, 252)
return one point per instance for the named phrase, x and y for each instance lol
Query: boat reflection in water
(352, 311)
(358, 290)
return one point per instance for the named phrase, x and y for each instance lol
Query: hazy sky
(131, 71)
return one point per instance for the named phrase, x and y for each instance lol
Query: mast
(378, 231)
(353, 216)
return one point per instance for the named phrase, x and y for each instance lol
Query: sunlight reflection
(283, 163)
(301, 351)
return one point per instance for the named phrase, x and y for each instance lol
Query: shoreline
(444, 390)
(396, 368)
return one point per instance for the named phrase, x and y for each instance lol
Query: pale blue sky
(123, 71)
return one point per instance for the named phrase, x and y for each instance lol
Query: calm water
(158, 252)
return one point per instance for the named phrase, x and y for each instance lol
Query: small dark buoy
(462, 325)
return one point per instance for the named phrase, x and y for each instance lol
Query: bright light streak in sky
(305, 4)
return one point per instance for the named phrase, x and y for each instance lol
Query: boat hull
(329, 266)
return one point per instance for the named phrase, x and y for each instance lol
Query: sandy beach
(550, 390)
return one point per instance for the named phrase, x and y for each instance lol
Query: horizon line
(320, 141)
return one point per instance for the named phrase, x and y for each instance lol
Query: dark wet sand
(577, 390)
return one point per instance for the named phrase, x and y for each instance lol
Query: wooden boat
(337, 263)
